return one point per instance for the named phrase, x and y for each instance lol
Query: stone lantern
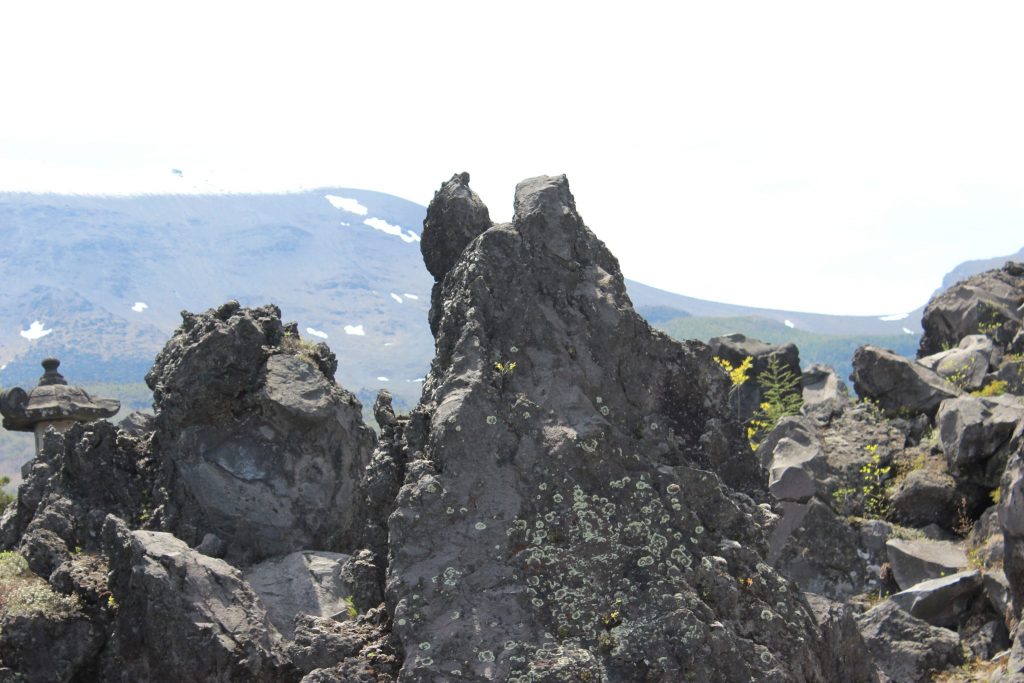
(52, 404)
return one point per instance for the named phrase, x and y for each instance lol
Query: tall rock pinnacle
(570, 507)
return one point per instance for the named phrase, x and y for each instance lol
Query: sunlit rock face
(572, 507)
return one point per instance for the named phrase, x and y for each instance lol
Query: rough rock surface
(825, 394)
(795, 460)
(852, 661)
(914, 561)
(942, 601)
(562, 518)
(303, 583)
(987, 302)
(264, 450)
(898, 384)
(973, 430)
(209, 624)
(907, 649)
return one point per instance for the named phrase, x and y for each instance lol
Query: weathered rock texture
(575, 518)
(898, 384)
(987, 303)
(264, 450)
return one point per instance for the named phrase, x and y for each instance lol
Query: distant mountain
(100, 281)
(968, 268)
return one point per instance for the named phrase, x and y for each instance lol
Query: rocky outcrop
(907, 649)
(560, 514)
(263, 449)
(824, 393)
(898, 384)
(975, 436)
(987, 303)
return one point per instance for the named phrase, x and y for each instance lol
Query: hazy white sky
(813, 156)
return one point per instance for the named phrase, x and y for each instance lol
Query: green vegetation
(834, 350)
(22, 593)
(781, 395)
(5, 498)
(350, 607)
(996, 387)
(505, 369)
(873, 485)
(737, 376)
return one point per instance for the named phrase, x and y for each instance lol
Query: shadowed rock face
(573, 517)
(262, 448)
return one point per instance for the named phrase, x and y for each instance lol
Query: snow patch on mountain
(410, 296)
(316, 333)
(407, 236)
(35, 331)
(894, 316)
(357, 330)
(139, 306)
(346, 204)
(396, 297)
(789, 324)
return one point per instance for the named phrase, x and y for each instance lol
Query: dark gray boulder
(52, 649)
(182, 615)
(941, 601)
(262, 448)
(851, 659)
(907, 649)
(926, 496)
(973, 431)
(984, 303)
(825, 394)
(898, 384)
(917, 560)
(306, 583)
(560, 518)
(820, 551)
(795, 460)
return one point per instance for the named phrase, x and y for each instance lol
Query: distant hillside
(834, 350)
(100, 282)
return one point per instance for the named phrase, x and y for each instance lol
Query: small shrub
(505, 369)
(300, 348)
(22, 593)
(738, 376)
(873, 487)
(781, 395)
(960, 377)
(5, 498)
(996, 387)
(350, 607)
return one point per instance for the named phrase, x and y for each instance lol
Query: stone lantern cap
(53, 400)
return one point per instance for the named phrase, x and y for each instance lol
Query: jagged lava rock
(989, 300)
(573, 517)
(898, 384)
(941, 601)
(907, 649)
(825, 394)
(974, 429)
(264, 449)
(183, 615)
(917, 560)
